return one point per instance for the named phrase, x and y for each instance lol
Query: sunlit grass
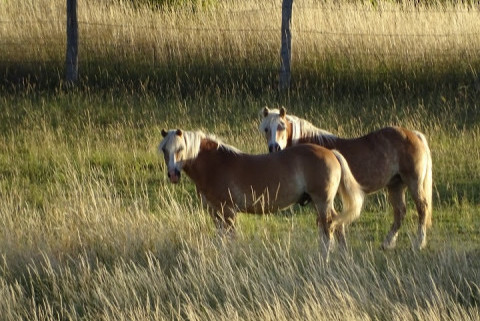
(234, 45)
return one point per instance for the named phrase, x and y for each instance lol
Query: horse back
(378, 157)
(307, 159)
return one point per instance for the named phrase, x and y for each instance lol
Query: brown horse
(392, 157)
(229, 181)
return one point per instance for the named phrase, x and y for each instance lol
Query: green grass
(92, 229)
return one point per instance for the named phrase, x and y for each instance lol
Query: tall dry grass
(90, 228)
(240, 41)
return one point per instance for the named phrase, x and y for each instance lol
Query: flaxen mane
(193, 139)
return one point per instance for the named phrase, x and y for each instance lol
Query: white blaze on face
(172, 164)
(276, 133)
(173, 149)
(281, 135)
(274, 126)
(271, 133)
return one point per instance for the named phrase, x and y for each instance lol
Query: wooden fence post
(286, 50)
(71, 62)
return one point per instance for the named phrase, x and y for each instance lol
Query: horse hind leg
(340, 236)
(422, 223)
(396, 196)
(423, 205)
(325, 214)
(420, 186)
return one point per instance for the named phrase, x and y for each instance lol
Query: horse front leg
(222, 216)
(228, 221)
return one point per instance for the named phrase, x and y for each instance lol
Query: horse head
(275, 128)
(173, 148)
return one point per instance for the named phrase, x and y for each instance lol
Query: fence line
(311, 31)
(304, 31)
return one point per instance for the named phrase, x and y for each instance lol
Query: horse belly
(265, 201)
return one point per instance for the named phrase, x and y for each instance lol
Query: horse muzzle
(174, 176)
(274, 148)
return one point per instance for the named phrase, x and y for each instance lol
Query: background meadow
(90, 228)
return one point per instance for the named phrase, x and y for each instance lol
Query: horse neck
(193, 168)
(190, 168)
(307, 133)
(208, 154)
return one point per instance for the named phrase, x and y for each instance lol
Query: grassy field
(232, 46)
(90, 228)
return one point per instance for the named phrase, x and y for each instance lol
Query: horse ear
(283, 112)
(265, 111)
(164, 133)
(179, 132)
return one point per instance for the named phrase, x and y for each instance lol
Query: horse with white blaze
(391, 157)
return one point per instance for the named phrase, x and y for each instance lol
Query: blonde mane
(192, 141)
(300, 127)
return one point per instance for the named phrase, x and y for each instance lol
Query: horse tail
(351, 193)
(426, 183)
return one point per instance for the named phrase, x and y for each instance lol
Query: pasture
(91, 228)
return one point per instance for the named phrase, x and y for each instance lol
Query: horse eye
(266, 130)
(164, 150)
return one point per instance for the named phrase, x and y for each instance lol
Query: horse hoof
(421, 246)
(386, 246)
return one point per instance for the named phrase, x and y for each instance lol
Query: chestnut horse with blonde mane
(391, 157)
(229, 181)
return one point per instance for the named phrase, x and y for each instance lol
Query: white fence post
(71, 61)
(286, 50)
